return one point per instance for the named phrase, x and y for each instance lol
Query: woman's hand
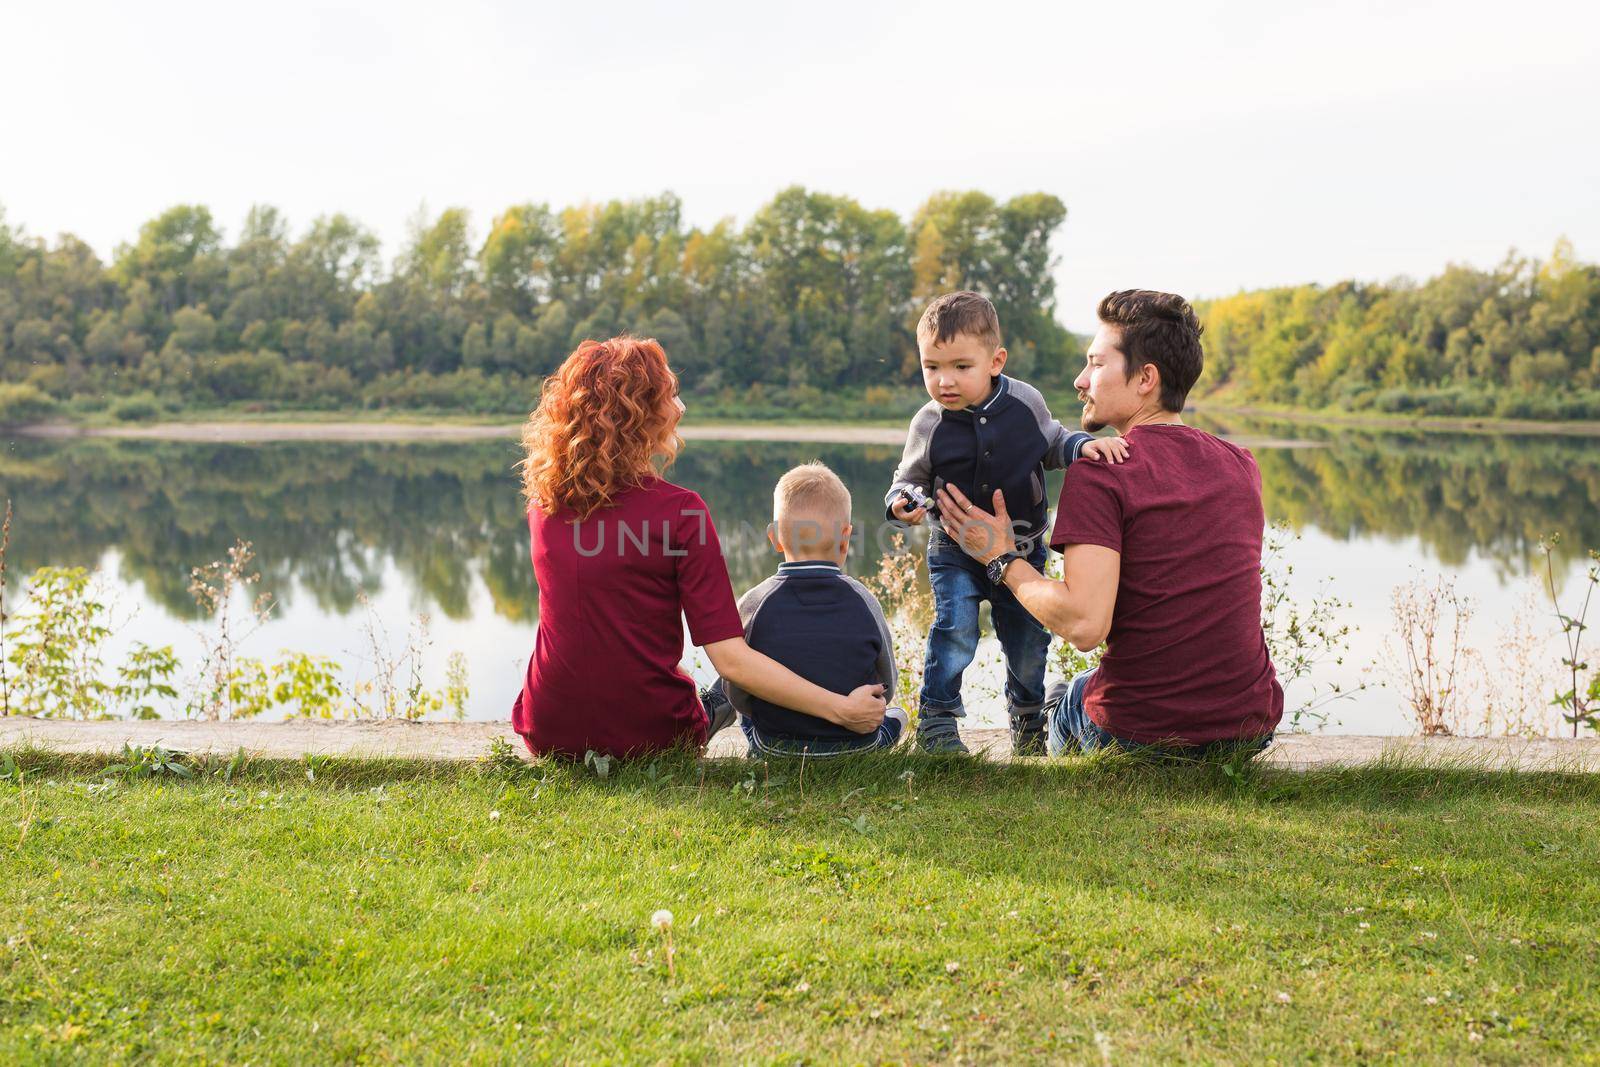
(981, 535)
(863, 709)
(770, 680)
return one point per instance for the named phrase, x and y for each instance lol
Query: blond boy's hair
(811, 508)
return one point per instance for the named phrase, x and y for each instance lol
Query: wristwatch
(997, 566)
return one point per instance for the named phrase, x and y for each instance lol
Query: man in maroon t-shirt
(1161, 555)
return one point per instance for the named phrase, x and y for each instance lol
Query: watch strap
(997, 566)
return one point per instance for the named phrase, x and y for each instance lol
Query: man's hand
(903, 511)
(981, 535)
(863, 709)
(1106, 449)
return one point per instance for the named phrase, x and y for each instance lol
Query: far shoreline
(1461, 424)
(247, 431)
(251, 431)
(223, 426)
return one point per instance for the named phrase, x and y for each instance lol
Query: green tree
(177, 255)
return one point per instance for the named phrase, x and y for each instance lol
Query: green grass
(1087, 910)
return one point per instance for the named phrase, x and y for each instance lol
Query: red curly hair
(602, 420)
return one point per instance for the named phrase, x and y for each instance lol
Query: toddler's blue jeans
(959, 587)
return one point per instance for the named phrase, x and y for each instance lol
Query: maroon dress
(614, 590)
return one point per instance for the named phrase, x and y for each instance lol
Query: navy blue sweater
(827, 628)
(1006, 443)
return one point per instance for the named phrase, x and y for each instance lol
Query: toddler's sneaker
(1027, 733)
(937, 734)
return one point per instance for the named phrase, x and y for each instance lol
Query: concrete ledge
(471, 740)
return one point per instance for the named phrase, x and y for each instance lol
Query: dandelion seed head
(662, 919)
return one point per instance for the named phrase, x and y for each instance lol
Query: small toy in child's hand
(914, 496)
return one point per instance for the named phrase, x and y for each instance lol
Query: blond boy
(816, 620)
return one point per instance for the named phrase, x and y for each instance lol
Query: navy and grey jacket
(1006, 443)
(827, 628)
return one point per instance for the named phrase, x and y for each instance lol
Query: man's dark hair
(961, 314)
(1159, 328)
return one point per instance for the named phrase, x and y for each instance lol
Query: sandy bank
(402, 432)
(471, 740)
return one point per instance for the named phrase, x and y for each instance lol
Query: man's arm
(1078, 607)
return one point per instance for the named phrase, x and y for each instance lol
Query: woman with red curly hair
(622, 556)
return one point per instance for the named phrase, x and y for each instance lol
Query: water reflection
(1460, 495)
(328, 520)
(438, 528)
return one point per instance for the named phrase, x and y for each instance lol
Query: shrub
(243, 375)
(22, 404)
(1528, 406)
(1581, 404)
(460, 391)
(876, 397)
(140, 407)
(58, 648)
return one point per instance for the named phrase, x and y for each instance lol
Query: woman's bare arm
(770, 680)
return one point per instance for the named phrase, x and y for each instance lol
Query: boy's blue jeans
(886, 736)
(959, 587)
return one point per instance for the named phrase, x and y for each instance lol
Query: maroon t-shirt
(613, 593)
(1185, 661)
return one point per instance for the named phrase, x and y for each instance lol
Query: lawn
(896, 909)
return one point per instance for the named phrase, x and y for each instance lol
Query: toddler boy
(981, 432)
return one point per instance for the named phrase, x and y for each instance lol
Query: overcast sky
(1199, 147)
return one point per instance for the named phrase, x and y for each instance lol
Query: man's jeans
(1068, 729)
(959, 586)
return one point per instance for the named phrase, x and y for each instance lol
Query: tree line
(806, 308)
(1522, 339)
(812, 294)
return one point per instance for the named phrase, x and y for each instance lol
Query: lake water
(437, 530)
